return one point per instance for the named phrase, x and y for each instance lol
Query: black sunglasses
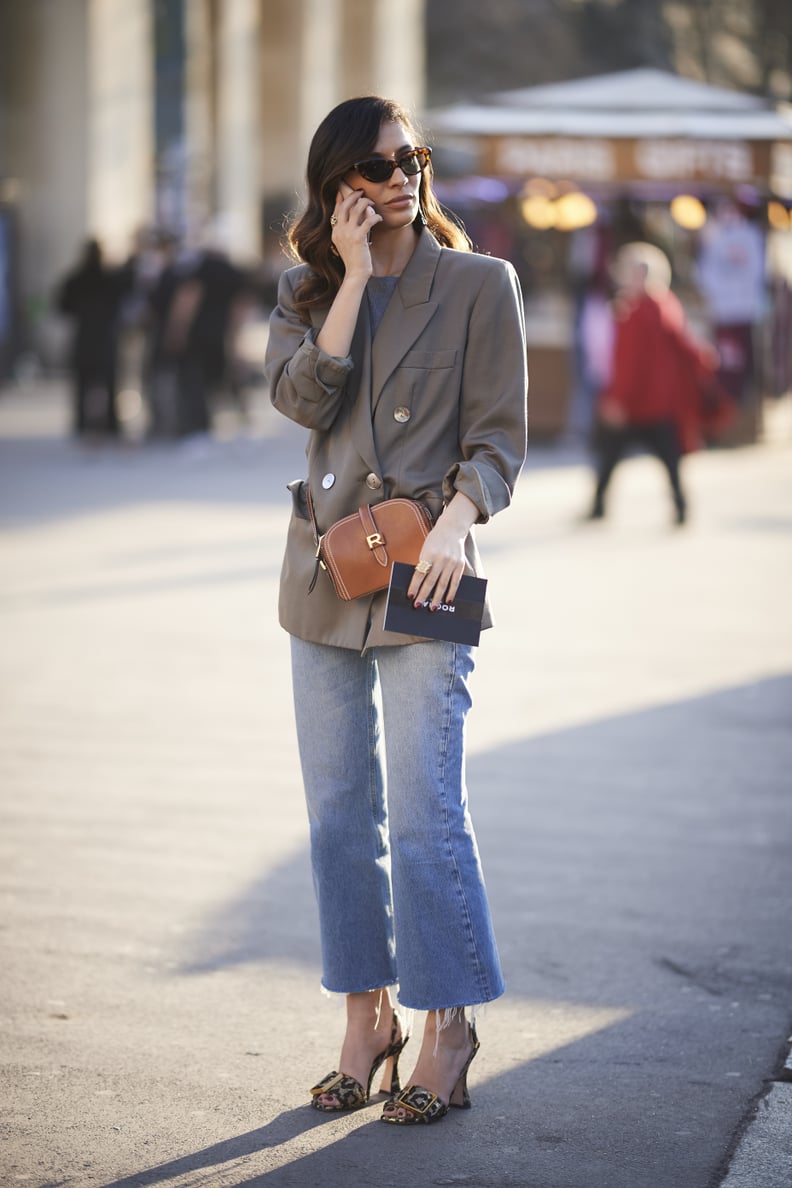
(381, 169)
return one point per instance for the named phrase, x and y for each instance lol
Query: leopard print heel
(347, 1092)
(420, 1106)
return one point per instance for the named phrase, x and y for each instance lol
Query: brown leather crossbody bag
(358, 551)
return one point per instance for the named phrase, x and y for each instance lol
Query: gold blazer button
(401, 414)
(373, 481)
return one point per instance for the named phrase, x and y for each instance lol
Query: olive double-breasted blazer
(436, 403)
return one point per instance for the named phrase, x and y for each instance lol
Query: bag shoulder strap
(312, 514)
(316, 536)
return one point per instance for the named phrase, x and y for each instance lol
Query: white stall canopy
(638, 125)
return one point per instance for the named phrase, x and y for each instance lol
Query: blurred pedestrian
(730, 272)
(91, 295)
(406, 361)
(205, 316)
(594, 354)
(143, 267)
(663, 386)
(588, 259)
(162, 352)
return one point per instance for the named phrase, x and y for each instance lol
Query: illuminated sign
(559, 157)
(651, 159)
(729, 160)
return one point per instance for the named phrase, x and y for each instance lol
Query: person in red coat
(660, 380)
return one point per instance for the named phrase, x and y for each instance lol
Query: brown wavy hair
(350, 133)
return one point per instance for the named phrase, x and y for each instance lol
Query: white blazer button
(373, 481)
(401, 414)
(328, 481)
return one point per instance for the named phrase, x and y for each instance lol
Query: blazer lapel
(408, 313)
(362, 428)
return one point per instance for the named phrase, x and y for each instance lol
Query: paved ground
(629, 774)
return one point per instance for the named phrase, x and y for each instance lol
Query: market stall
(556, 177)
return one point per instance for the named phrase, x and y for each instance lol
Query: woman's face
(396, 199)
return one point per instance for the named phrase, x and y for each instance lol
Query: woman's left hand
(444, 552)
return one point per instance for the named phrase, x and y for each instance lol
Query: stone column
(45, 145)
(200, 112)
(120, 123)
(299, 54)
(383, 50)
(238, 127)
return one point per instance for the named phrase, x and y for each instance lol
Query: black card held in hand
(459, 622)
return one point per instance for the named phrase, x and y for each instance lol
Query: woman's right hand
(355, 217)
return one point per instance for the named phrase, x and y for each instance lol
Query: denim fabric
(395, 863)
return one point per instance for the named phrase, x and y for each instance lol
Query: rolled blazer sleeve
(493, 406)
(306, 384)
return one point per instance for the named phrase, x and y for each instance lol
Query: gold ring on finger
(423, 566)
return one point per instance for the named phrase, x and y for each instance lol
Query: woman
(404, 355)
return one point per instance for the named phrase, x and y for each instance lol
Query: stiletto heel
(421, 1105)
(348, 1093)
(395, 1083)
(461, 1089)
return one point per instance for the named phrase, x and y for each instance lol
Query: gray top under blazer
(435, 404)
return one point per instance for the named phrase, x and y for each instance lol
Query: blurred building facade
(122, 114)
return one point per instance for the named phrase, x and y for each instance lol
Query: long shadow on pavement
(637, 865)
(286, 1126)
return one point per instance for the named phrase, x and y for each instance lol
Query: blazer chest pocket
(429, 360)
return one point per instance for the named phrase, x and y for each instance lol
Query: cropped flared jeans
(394, 857)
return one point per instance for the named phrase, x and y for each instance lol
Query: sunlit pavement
(629, 777)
